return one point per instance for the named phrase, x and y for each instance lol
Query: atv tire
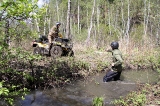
(37, 50)
(56, 51)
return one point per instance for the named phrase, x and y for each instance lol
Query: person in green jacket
(116, 69)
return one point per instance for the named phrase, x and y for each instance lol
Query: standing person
(116, 69)
(53, 33)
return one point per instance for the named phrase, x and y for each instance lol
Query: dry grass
(90, 54)
(134, 54)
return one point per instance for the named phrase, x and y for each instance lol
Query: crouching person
(116, 69)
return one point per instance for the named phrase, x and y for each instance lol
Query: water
(82, 92)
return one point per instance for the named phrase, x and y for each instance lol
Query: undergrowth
(146, 95)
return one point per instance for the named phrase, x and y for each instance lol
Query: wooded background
(135, 24)
(89, 21)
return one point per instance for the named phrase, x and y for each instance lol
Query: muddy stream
(82, 92)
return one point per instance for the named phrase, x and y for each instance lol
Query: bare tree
(145, 9)
(98, 14)
(57, 10)
(68, 35)
(78, 17)
(146, 16)
(38, 30)
(128, 24)
(109, 19)
(91, 23)
(123, 21)
(45, 21)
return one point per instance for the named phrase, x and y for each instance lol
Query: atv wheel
(37, 50)
(56, 51)
(71, 53)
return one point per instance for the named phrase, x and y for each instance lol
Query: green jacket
(117, 60)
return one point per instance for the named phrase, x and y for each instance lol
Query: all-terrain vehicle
(60, 47)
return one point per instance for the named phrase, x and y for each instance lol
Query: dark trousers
(50, 46)
(112, 75)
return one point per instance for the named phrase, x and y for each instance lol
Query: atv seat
(61, 40)
(43, 39)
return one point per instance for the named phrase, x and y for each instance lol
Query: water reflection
(82, 92)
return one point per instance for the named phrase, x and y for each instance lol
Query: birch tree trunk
(126, 37)
(128, 24)
(145, 9)
(45, 21)
(49, 23)
(49, 19)
(57, 10)
(68, 35)
(91, 23)
(158, 27)
(105, 13)
(146, 17)
(109, 19)
(78, 17)
(123, 22)
(98, 30)
(95, 31)
(37, 27)
(98, 14)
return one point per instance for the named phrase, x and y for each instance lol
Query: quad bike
(60, 47)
